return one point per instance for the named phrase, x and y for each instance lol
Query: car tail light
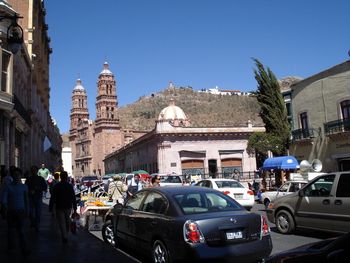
(226, 192)
(265, 229)
(250, 192)
(192, 234)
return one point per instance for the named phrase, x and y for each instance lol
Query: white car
(169, 179)
(285, 189)
(244, 196)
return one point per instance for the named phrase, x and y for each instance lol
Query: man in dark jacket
(63, 200)
(36, 187)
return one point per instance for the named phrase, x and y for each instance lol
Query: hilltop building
(92, 140)
(173, 146)
(217, 91)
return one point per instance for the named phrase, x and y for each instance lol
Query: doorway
(213, 168)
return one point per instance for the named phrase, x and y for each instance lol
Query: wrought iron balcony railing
(302, 134)
(337, 126)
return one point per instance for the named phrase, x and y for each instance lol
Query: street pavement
(47, 246)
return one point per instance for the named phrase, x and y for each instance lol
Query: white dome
(78, 86)
(106, 70)
(172, 112)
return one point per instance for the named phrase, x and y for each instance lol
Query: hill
(203, 109)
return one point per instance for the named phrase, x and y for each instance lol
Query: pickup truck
(285, 189)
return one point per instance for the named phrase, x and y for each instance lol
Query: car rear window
(170, 179)
(228, 184)
(195, 203)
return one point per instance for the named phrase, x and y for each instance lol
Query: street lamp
(14, 34)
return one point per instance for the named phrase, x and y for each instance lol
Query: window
(5, 70)
(343, 189)
(345, 109)
(304, 121)
(135, 202)
(155, 203)
(321, 187)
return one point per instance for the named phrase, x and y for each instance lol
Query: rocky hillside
(202, 109)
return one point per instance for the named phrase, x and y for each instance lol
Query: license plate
(234, 235)
(238, 196)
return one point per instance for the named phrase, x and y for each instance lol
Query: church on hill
(92, 140)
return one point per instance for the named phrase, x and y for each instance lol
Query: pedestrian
(63, 201)
(134, 185)
(117, 190)
(55, 180)
(15, 201)
(43, 172)
(36, 187)
(6, 180)
(155, 181)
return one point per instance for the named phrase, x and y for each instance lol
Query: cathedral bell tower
(106, 101)
(79, 110)
(107, 132)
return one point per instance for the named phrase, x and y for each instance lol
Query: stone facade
(321, 118)
(26, 122)
(92, 140)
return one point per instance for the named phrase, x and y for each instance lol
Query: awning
(282, 162)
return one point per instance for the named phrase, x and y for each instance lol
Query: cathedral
(92, 140)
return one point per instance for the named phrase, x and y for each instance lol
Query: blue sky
(197, 43)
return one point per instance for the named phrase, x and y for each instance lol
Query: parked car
(232, 188)
(189, 224)
(285, 189)
(89, 180)
(332, 250)
(323, 204)
(169, 179)
(107, 228)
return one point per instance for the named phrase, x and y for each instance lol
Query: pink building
(176, 147)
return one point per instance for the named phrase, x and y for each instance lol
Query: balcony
(303, 134)
(337, 126)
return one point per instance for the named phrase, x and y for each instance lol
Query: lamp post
(14, 34)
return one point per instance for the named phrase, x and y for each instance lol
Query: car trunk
(230, 228)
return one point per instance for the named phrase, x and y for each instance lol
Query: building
(28, 134)
(175, 147)
(321, 118)
(92, 140)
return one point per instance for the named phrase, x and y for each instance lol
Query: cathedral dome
(106, 70)
(172, 112)
(78, 86)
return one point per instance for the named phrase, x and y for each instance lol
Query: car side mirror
(117, 209)
(301, 193)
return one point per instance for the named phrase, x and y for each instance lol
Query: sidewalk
(46, 246)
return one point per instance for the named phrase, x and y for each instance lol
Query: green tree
(273, 112)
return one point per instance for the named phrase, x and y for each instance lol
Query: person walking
(63, 200)
(134, 186)
(117, 190)
(44, 172)
(36, 187)
(155, 181)
(15, 202)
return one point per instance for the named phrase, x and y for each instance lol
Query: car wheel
(266, 203)
(285, 222)
(160, 252)
(107, 233)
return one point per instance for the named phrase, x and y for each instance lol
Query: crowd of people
(21, 203)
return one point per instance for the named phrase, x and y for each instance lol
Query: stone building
(28, 134)
(176, 147)
(321, 118)
(92, 140)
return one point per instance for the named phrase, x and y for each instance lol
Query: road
(280, 242)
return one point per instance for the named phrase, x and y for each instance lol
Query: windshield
(194, 203)
(228, 184)
(170, 179)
